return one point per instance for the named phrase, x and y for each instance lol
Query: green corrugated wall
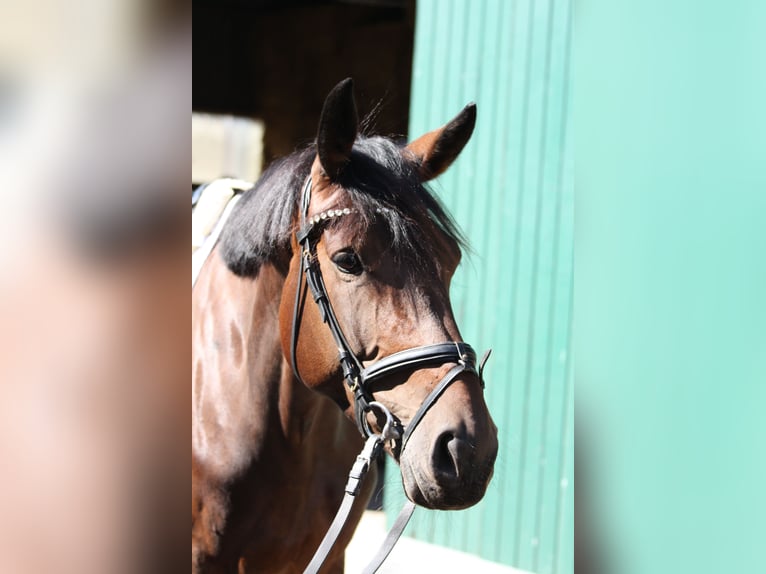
(512, 192)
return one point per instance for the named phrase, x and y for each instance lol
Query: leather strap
(331, 536)
(446, 381)
(392, 538)
(297, 314)
(328, 542)
(355, 478)
(309, 268)
(299, 295)
(419, 357)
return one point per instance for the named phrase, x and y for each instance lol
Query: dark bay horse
(272, 437)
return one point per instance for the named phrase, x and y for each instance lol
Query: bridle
(357, 378)
(360, 380)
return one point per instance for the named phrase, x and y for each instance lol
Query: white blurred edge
(410, 555)
(226, 146)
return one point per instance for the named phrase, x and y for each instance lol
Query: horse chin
(429, 490)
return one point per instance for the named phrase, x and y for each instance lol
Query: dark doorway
(277, 60)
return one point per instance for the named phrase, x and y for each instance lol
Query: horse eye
(348, 262)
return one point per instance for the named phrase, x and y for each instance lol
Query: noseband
(358, 379)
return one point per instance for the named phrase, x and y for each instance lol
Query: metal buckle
(462, 357)
(389, 432)
(362, 464)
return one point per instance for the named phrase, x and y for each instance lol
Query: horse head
(384, 251)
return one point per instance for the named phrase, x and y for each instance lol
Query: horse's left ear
(435, 151)
(338, 126)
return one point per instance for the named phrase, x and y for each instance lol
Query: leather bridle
(358, 379)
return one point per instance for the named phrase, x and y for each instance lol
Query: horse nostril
(449, 453)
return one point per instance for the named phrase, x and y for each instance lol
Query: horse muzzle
(449, 461)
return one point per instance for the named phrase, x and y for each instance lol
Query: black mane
(380, 183)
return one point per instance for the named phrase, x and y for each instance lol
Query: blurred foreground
(94, 401)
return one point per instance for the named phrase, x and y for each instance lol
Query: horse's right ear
(435, 151)
(338, 126)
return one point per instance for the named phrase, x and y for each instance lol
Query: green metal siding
(512, 192)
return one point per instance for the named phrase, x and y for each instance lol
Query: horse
(276, 392)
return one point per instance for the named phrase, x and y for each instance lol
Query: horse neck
(245, 398)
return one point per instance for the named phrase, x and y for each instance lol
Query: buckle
(462, 357)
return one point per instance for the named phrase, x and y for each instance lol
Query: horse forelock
(380, 183)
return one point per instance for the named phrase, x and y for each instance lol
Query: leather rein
(359, 379)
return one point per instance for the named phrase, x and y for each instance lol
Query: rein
(359, 380)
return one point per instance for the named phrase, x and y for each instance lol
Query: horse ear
(337, 128)
(436, 150)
